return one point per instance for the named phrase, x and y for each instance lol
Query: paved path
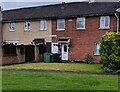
(54, 71)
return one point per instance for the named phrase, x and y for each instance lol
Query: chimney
(62, 7)
(63, 2)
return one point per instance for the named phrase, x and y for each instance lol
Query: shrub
(106, 69)
(88, 59)
(110, 50)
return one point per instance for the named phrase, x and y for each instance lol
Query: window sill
(11, 30)
(26, 30)
(43, 29)
(96, 54)
(104, 28)
(60, 29)
(80, 28)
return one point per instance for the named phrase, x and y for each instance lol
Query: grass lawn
(58, 66)
(53, 81)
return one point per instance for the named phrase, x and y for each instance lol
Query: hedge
(110, 50)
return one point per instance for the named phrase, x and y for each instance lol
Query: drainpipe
(117, 16)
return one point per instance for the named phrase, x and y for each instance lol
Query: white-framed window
(97, 48)
(11, 26)
(104, 22)
(80, 23)
(26, 25)
(54, 47)
(60, 24)
(43, 25)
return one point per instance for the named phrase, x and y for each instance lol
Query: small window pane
(104, 22)
(80, 23)
(27, 25)
(43, 25)
(97, 47)
(107, 21)
(61, 24)
(65, 48)
(12, 26)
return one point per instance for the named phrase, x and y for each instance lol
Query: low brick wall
(20, 57)
(12, 60)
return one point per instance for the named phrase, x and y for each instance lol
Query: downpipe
(117, 16)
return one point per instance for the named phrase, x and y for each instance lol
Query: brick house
(83, 25)
(73, 29)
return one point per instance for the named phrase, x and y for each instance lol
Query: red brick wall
(83, 41)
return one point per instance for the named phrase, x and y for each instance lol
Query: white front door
(64, 51)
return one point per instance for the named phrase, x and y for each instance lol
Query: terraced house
(70, 29)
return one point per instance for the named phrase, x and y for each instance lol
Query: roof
(65, 10)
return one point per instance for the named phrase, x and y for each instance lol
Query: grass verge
(78, 67)
(52, 81)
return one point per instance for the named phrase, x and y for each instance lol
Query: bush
(110, 50)
(106, 69)
(88, 59)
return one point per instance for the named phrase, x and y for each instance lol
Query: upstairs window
(60, 24)
(43, 25)
(26, 26)
(105, 22)
(97, 48)
(80, 24)
(12, 26)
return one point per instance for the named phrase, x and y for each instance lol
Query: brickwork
(83, 41)
(37, 56)
(19, 58)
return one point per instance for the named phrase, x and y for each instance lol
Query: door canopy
(64, 41)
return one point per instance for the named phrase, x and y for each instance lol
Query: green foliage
(88, 59)
(108, 70)
(110, 50)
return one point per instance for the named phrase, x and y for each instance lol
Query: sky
(12, 4)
